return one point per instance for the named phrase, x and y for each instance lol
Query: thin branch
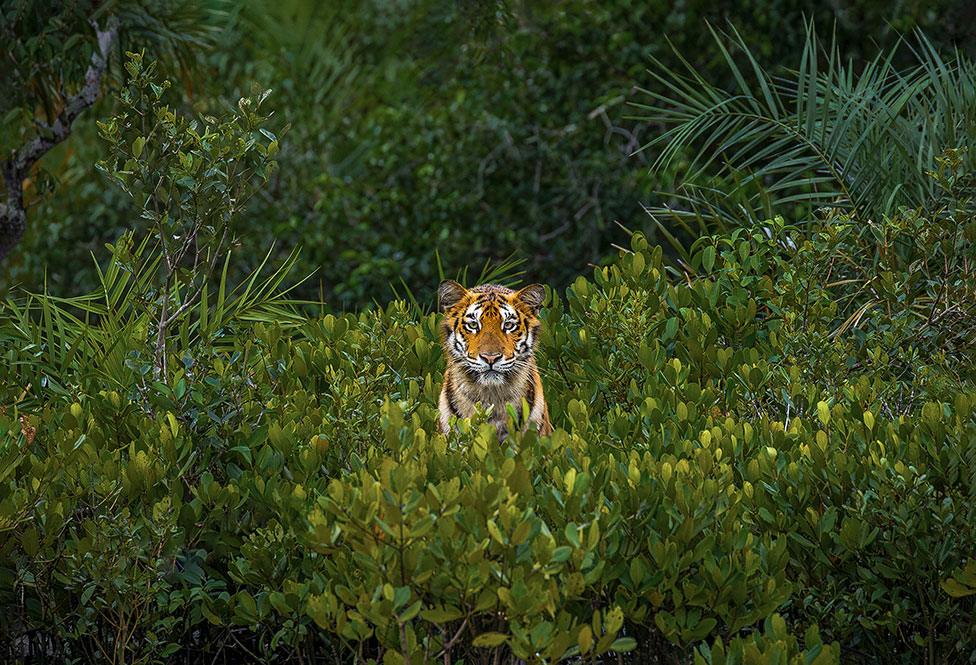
(199, 289)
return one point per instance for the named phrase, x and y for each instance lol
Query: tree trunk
(13, 215)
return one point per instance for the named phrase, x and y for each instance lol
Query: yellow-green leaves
(823, 413)
(496, 533)
(585, 639)
(704, 475)
(569, 480)
(963, 581)
(489, 640)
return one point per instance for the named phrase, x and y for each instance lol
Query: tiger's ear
(449, 293)
(533, 295)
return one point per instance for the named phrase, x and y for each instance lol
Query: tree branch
(13, 216)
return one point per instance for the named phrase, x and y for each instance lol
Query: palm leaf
(830, 133)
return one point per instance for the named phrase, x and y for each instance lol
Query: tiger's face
(490, 331)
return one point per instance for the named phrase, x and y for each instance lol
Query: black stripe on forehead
(509, 311)
(494, 304)
(471, 311)
(489, 305)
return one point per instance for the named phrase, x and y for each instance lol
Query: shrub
(733, 467)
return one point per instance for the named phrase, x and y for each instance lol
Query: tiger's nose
(490, 358)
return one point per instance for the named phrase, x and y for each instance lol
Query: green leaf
(957, 590)
(441, 615)
(411, 611)
(623, 644)
(708, 258)
(496, 532)
(561, 554)
(489, 640)
(823, 412)
(572, 534)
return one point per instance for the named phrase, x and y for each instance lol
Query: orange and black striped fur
(489, 335)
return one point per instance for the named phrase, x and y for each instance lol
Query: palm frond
(830, 133)
(507, 272)
(45, 340)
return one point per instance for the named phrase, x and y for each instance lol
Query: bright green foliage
(737, 462)
(774, 645)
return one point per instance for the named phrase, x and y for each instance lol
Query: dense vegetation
(476, 129)
(750, 461)
(765, 429)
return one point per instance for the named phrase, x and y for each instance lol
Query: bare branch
(13, 216)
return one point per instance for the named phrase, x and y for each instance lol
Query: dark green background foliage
(474, 129)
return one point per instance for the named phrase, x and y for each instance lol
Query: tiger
(489, 334)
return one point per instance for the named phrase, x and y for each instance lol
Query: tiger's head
(490, 331)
